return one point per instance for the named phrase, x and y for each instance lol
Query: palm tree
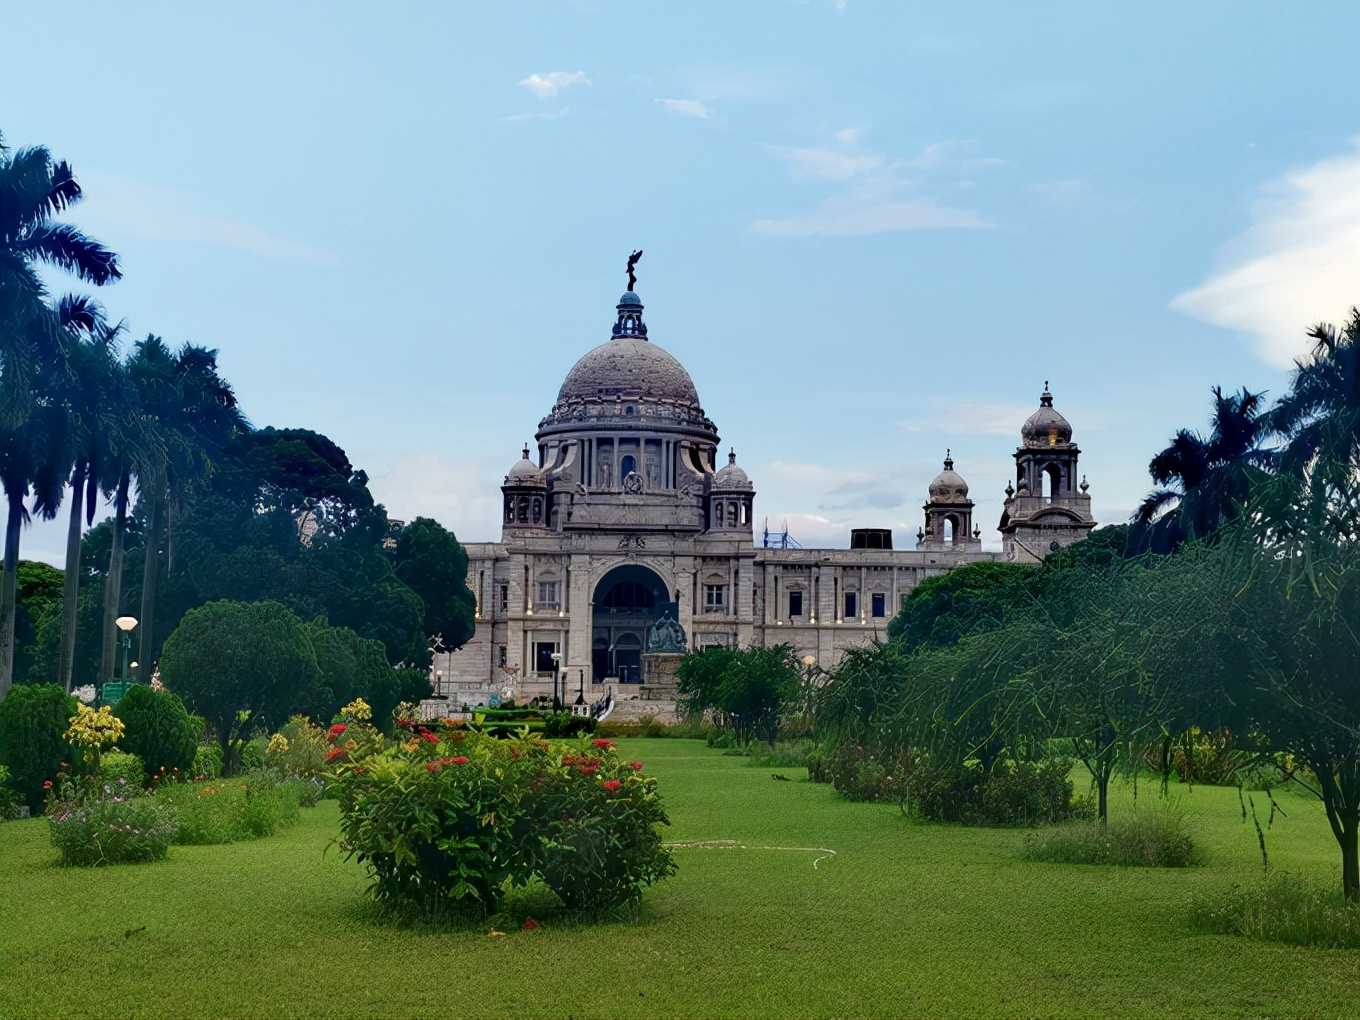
(1205, 481)
(34, 345)
(191, 414)
(1320, 415)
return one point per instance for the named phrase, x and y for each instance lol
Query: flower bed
(456, 816)
(108, 824)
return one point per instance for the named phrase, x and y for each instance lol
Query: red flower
(603, 745)
(590, 768)
(636, 766)
(47, 784)
(335, 731)
(612, 785)
(335, 752)
(530, 924)
(430, 737)
(460, 760)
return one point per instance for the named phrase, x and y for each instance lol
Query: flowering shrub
(457, 816)
(244, 807)
(207, 761)
(116, 765)
(94, 824)
(92, 731)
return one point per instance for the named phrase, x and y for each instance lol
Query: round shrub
(120, 768)
(158, 730)
(33, 718)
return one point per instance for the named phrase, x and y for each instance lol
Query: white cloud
(877, 194)
(546, 86)
(1298, 262)
(117, 207)
(975, 418)
(685, 107)
(826, 164)
(464, 496)
(555, 115)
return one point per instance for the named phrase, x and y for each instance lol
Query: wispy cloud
(119, 207)
(462, 495)
(877, 194)
(542, 115)
(973, 418)
(548, 85)
(685, 108)
(1059, 191)
(1298, 262)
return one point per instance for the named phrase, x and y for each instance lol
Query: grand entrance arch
(627, 601)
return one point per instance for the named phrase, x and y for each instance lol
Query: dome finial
(948, 459)
(731, 455)
(526, 451)
(633, 261)
(1046, 398)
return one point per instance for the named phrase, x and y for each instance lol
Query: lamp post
(126, 624)
(557, 677)
(581, 687)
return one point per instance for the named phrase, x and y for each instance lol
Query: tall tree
(429, 559)
(33, 190)
(1320, 414)
(1205, 481)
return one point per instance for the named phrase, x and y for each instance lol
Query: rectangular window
(878, 604)
(500, 656)
(715, 598)
(851, 604)
(505, 598)
(795, 604)
(543, 653)
(547, 594)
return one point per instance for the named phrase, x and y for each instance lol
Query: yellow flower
(278, 744)
(358, 710)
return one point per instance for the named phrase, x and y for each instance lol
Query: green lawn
(905, 920)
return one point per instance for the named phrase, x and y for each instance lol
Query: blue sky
(872, 230)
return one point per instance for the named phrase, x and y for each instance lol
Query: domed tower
(627, 443)
(1047, 509)
(949, 514)
(526, 495)
(730, 498)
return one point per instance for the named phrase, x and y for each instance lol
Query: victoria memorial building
(627, 515)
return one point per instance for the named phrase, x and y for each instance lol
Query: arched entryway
(627, 601)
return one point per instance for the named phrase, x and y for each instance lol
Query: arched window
(629, 595)
(718, 513)
(1052, 480)
(627, 466)
(522, 513)
(949, 527)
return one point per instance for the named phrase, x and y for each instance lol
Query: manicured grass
(905, 920)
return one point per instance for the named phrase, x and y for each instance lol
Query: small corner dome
(1046, 427)
(948, 484)
(730, 476)
(523, 471)
(629, 298)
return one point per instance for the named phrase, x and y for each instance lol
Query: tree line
(1229, 604)
(205, 506)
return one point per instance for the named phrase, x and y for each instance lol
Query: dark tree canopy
(429, 559)
(974, 597)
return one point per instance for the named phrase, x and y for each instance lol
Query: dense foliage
(454, 817)
(33, 721)
(158, 729)
(746, 689)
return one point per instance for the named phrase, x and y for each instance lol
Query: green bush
(247, 806)
(158, 729)
(33, 718)
(305, 753)
(207, 761)
(1025, 793)
(815, 761)
(1282, 908)
(564, 724)
(1149, 838)
(860, 774)
(252, 754)
(110, 829)
(121, 768)
(10, 800)
(463, 815)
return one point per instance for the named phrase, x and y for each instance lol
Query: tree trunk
(1342, 802)
(9, 587)
(113, 582)
(1103, 796)
(1350, 861)
(150, 574)
(71, 591)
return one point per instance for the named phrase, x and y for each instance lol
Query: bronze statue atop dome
(632, 276)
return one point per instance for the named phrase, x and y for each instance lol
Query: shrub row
(1150, 838)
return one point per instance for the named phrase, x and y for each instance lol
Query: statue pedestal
(658, 676)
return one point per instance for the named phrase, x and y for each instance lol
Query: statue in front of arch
(666, 635)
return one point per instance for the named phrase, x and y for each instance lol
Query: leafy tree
(698, 676)
(1205, 481)
(748, 688)
(1320, 414)
(347, 666)
(229, 658)
(388, 689)
(973, 597)
(429, 559)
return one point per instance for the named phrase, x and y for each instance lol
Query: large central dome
(629, 367)
(628, 381)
